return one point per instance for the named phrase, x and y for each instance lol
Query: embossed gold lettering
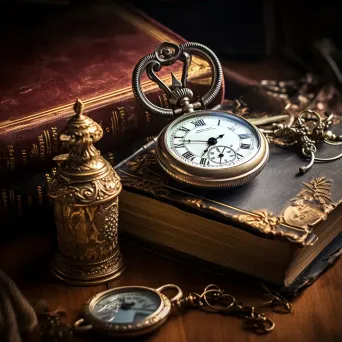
(24, 157)
(114, 122)
(47, 140)
(11, 157)
(54, 135)
(34, 151)
(41, 146)
(122, 121)
(148, 117)
(40, 194)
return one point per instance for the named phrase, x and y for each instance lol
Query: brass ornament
(85, 190)
(312, 205)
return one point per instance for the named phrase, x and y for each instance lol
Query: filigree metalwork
(80, 133)
(84, 189)
(311, 102)
(98, 190)
(310, 206)
(180, 97)
(309, 130)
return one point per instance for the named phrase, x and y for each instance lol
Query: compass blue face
(126, 307)
(217, 140)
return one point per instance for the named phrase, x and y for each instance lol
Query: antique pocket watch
(131, 311)
(128, 311)
(202, 147)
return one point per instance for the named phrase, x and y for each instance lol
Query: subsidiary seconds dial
(212, 141)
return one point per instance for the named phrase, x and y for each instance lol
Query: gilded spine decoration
(122, 122)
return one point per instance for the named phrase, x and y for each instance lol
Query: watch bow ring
(202, 147)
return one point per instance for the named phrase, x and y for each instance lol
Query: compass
(128, 311)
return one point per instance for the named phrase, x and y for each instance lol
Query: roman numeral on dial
(188, 155)
(245, 146)
(243, 136)
(198, 123)
(179, 145)
(204, 161)
(184, 129)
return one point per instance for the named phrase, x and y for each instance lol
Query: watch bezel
(144, 326)
(211, 177)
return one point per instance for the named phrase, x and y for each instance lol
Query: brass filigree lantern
(85, 190)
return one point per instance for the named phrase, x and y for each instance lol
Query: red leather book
(85, 51)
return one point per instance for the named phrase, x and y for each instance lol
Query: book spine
(33, 145)
(25, 206)
(322, 263)
(36, 144)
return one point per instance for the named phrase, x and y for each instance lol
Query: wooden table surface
(317, 311)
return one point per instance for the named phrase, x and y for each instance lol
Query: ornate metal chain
(215, 300)
(304, 128)
(309, 130)
(212, 300)
(310, 103)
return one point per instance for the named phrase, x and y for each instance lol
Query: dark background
(234, 29)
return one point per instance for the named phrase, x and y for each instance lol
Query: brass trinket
(85, 191)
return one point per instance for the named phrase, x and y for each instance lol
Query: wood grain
(317, 311)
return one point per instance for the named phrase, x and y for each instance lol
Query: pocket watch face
(126, 306)
(212, 140)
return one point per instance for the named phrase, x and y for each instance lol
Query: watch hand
(210, 141)
(205, 151)
(189, 141)
(127, 306)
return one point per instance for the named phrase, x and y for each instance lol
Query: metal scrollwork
(97, 190)
(85, 189)
(179, 96)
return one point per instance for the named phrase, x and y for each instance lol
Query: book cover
(85, 51)
(301, 211)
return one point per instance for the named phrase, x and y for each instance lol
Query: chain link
(307, 131)
(215, 300)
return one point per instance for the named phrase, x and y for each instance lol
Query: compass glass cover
(126, 306)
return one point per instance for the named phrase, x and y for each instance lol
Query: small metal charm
(85, 191)
(307, 131)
